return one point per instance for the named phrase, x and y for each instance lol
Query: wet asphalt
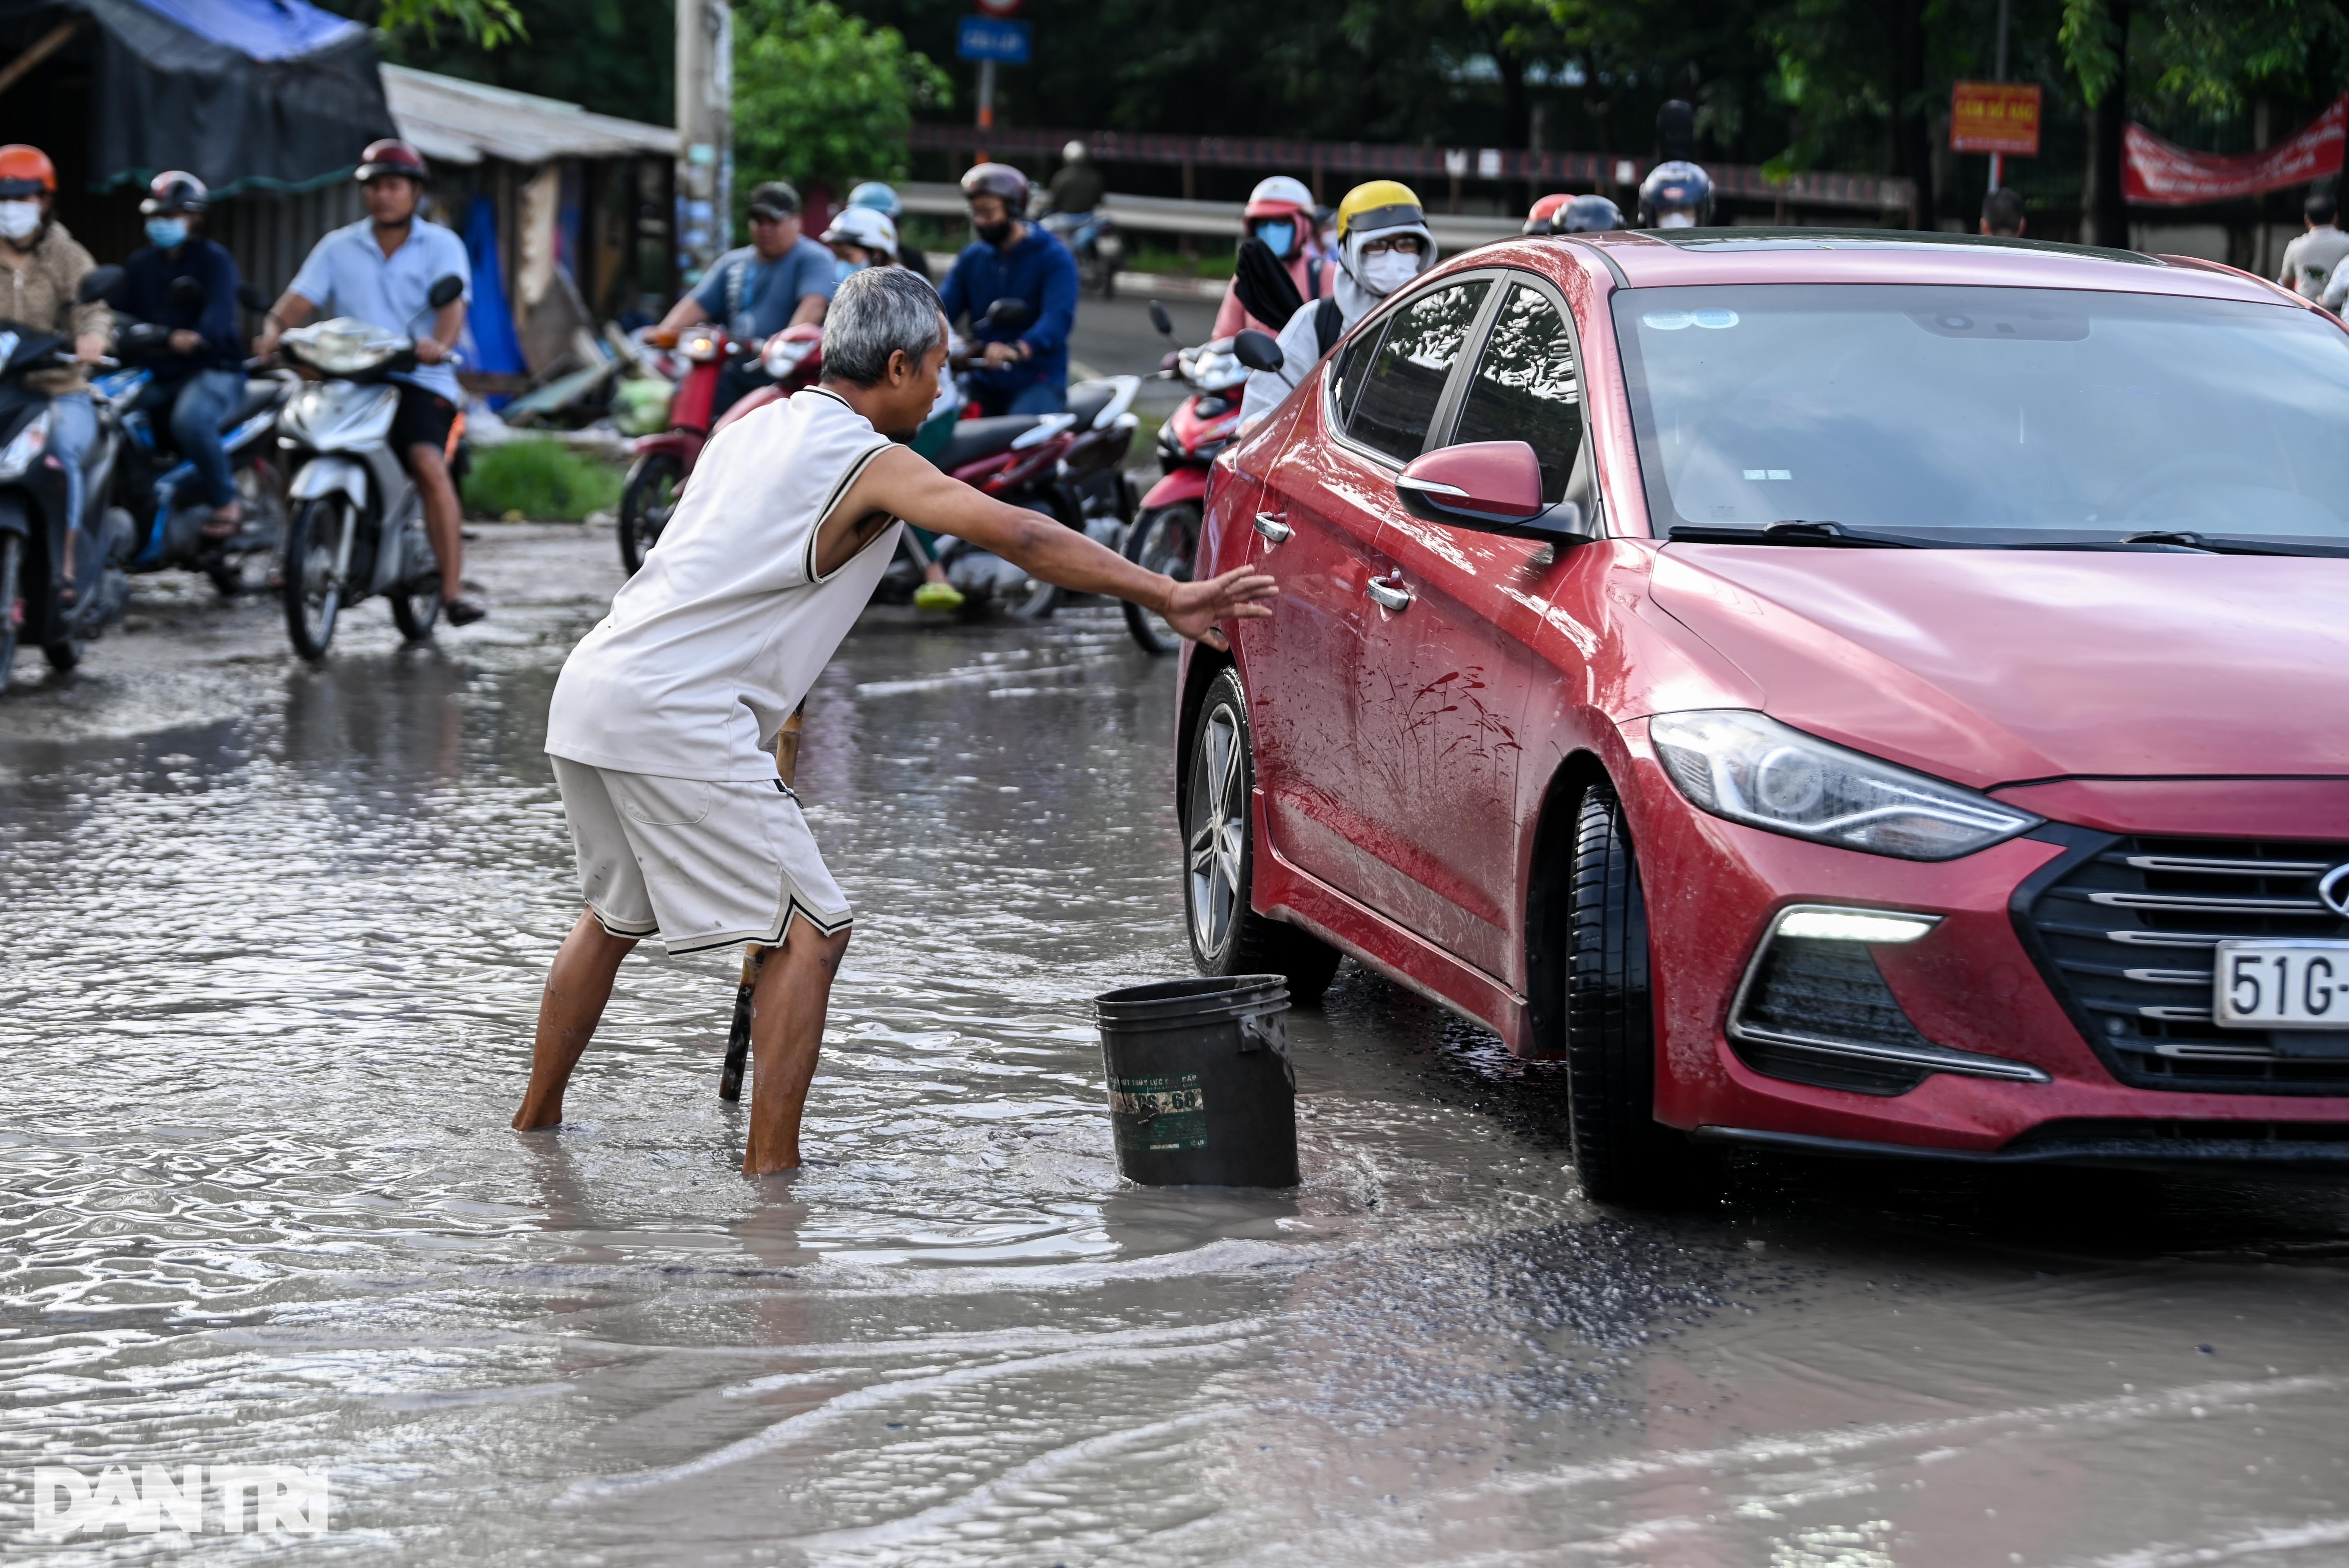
(274, 937)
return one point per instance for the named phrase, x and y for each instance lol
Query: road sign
(997, 38)
(1994, 117)
(1000, 7)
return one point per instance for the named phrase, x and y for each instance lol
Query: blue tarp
(259, 29)
(494, 348)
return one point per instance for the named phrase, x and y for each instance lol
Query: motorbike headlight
(700, 347)
(30, 443)
(343, 346)
(1218, 372)
(1751, 769)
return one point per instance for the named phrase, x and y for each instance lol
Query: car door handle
(1274, 530)
(1392, 595)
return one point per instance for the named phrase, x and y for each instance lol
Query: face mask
(1684, 219)
(19, 220)
(992, 233)
(167, 233)
(843, 266)
(1387, 271)
(1279, 236)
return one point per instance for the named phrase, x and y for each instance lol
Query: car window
(1525, 388)
(1405, 380)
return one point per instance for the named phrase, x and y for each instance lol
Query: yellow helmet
(1379, 204)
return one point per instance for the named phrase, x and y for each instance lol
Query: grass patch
(539, 479)
(1214, 261)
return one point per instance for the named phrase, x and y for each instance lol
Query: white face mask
(19, 220)
(1387, 271)
(1683, 219)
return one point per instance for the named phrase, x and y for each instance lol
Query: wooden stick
(754, 956)
(48, 44)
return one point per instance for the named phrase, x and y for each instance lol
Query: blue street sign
(997, 38)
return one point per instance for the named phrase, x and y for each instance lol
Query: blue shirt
(349, 274)
(754, 298)
(1039, 270)
(145, 294)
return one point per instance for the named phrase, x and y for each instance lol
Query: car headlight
(1751, 769)
(30, 443)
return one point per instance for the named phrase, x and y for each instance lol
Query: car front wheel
(1228, 935)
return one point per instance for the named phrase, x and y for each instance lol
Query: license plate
(2282, 984)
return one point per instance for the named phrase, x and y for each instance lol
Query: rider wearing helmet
(1078, 187)
(1024, 370)
(199, 381)
(1588, 215)
(44, 266)
(861, 238)
(879, 197)
(1676, 195)
(1543, 218)
(1383, 244)
(381, 269)
(1280, 212)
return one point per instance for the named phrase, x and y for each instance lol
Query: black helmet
(1675, 187)
(998, 179)
(175, 190)
(391, 156)
(1588, 215)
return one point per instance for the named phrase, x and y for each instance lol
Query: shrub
(539, 479)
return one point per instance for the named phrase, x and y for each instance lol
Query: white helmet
(865, 226)
(1075, 152)
(1281, 189)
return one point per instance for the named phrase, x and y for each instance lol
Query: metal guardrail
(1216, 220)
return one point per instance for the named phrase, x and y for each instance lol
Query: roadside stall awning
(455, 121)
(268, 94)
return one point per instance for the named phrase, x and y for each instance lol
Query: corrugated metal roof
(455, 121)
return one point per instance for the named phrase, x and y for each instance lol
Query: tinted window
(1398, 397)
(1346, 377)
(1524, 389)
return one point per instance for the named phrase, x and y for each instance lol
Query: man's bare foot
(753, 1166)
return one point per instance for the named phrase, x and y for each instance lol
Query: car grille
(2128, 933)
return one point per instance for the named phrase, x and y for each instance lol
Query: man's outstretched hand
(1194, 608)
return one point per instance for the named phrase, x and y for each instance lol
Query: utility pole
(704, 134)
(1998, 159)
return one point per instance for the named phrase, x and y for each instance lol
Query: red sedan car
(1852, 693)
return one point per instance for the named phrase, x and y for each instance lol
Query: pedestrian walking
(665, 717)
(2312, 260)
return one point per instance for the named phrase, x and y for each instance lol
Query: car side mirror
(1161, 320)
(97, 283)
(1257, 351)
(250, 296)
(446, 288)
(1009, 313)
(1492, 486)
(185, 293)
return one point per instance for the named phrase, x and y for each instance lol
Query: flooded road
(274, 944)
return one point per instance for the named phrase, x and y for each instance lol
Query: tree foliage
(615, 57)
(820, 95)
(487, 23)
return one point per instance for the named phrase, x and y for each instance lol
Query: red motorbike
(1164, 536)
(661, 464)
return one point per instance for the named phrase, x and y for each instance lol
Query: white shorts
(698, 864)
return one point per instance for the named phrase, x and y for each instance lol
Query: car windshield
(1987, 416)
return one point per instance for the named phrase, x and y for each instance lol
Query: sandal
(463, 611)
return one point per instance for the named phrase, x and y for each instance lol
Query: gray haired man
(665, 714)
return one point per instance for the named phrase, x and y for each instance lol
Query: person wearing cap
(781, 278)
(879, 196)
(1280, 212)
(198, 383)
(1383, 243)
(41, 270)
(1023, 370)
(381, 270)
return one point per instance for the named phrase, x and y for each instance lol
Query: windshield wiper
(2229, 544)
(1797, 530)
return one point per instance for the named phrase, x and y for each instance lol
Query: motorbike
(151, 481)
(45, 552)
(661, 464)
(1092, 238)
(357, 528)
(1166, 532)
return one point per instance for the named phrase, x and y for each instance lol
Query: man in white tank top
(666, 714)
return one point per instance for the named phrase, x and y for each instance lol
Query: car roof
(1670, 258)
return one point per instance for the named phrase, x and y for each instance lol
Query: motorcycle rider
(1078, 186)
(45, 265)
(882, 200)
(380, 270)
(861, 238)
(1542, 217)
(1383, 243)
(201, 381)
(781, 278)
(1588, 215)
(1026, 371)
(1676, 195)
(1280, 212)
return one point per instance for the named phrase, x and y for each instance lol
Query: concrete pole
(704, 134)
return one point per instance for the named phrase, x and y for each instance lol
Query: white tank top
(715, 640)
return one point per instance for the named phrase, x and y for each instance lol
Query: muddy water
(274, 942)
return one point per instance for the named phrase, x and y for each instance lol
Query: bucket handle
(1269, 1032)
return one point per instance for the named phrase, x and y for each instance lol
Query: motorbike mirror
(1257, 351)
(1492, 486)
(1172, 361)
(185, 293)
(445, 290)
(97, 283)
(250, 296)
(1009, 313)
(1161, 320)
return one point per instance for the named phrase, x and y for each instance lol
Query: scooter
(44, 552)
(358, 520)
(1166, 532)
(152, 482)
(1092, 238)
(792, 359)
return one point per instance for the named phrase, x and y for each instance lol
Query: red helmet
(26, 171)
(175, 190)
(998, 179)
(391, 156)
(1543, 218)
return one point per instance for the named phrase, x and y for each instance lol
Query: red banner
(2158, 173)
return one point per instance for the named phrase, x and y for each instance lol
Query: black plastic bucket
(1201, 1092)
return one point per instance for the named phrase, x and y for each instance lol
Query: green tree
(822, 96)
(486, 23)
